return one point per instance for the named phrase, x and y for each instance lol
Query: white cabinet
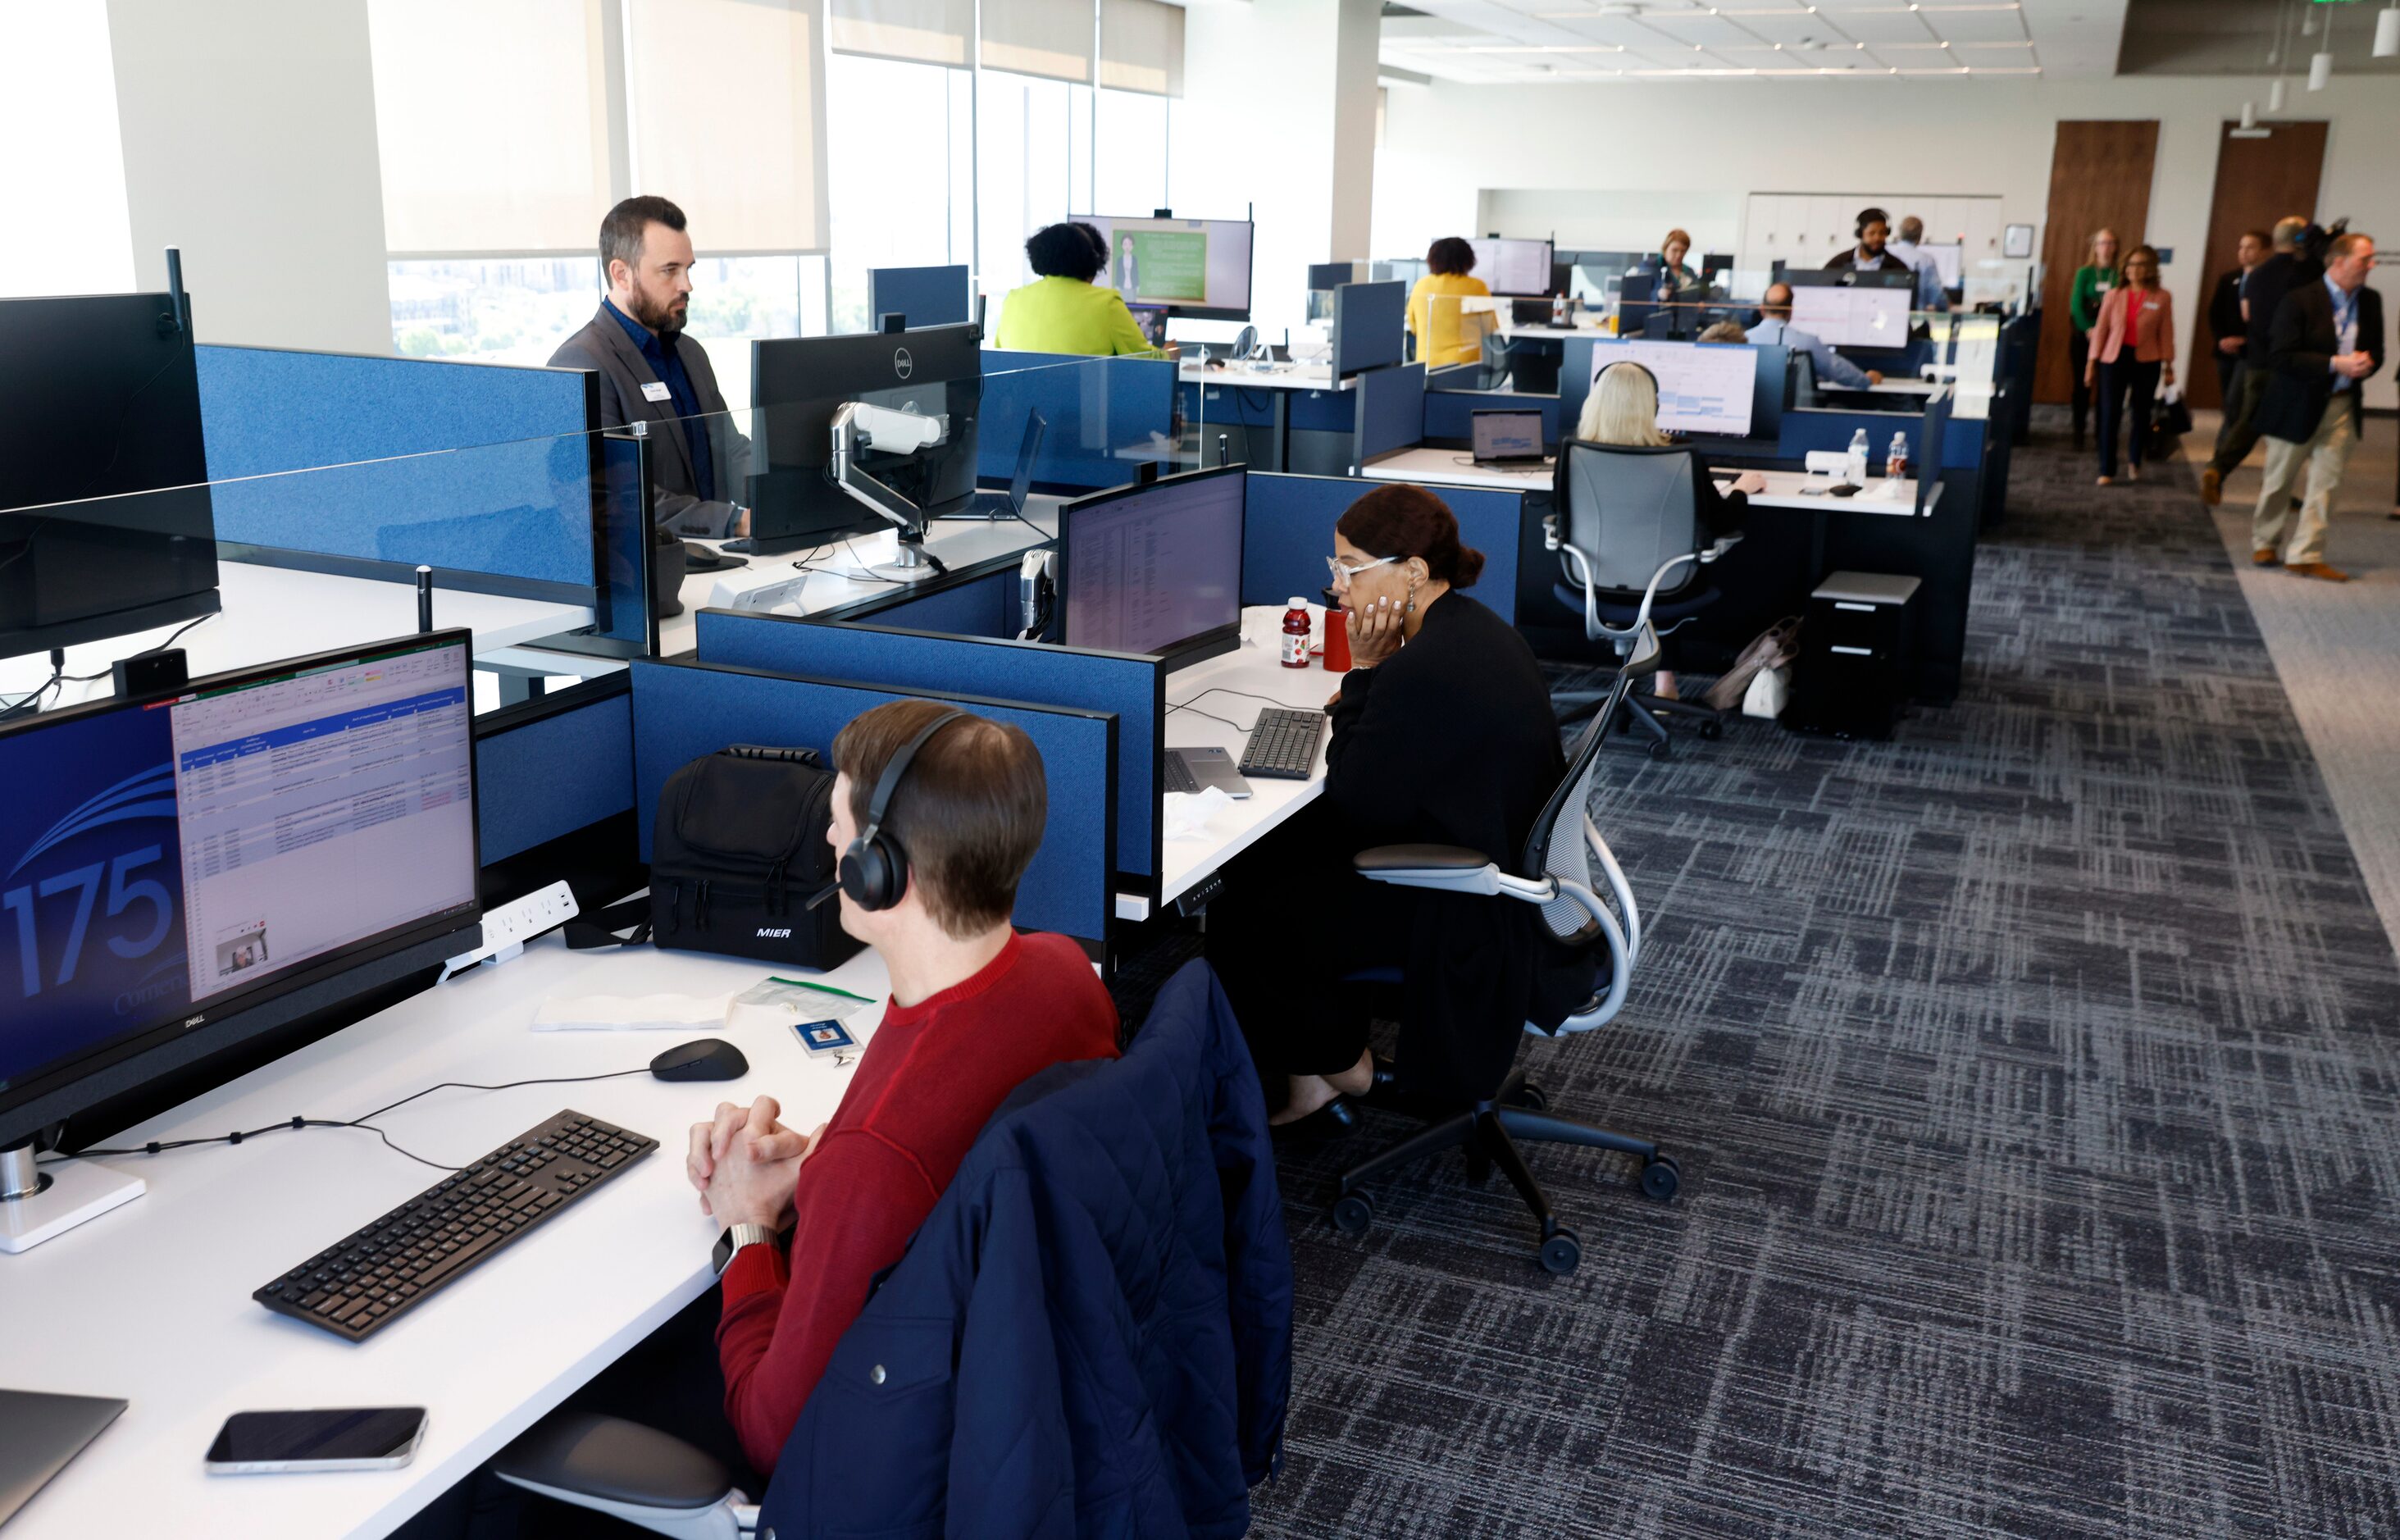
(1807, 229)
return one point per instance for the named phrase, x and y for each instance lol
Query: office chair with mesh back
(1626, 525)
(1564, 864)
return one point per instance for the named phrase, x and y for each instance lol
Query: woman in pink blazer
(2133, 353)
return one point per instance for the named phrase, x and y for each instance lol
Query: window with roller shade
(808, 140)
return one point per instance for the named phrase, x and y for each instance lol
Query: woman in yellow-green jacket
(1444, 334)
(1063, 310)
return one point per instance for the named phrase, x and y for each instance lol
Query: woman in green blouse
(2093, 281)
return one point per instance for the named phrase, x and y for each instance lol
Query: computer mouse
(703, 1058)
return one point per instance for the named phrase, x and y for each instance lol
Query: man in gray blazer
(649, 372)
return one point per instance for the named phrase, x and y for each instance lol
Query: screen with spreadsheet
(1149, 569)
(162, 861)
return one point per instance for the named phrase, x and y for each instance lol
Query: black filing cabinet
(1856, 659)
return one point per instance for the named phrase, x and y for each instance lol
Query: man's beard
(661, 320)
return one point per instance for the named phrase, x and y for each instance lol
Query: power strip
(507, 928)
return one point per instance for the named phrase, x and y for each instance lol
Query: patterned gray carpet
(2034, 1087)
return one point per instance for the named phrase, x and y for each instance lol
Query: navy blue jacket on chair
(1091, 1335)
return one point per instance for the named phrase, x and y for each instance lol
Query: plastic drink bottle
(1295, 633)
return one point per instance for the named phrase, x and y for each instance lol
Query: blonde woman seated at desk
(1623, 410)
(1444, 333)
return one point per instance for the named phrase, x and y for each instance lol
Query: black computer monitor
(185, 873)
(797, 384)
(1158, 568)
(105, 524)
(1198, 268)
(1370, 327)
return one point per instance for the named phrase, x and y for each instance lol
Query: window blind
(500, 146)
(924, 31)
(1051, 38)
(1141, 47)
(726, 100)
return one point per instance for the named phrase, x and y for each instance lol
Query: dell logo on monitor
(902, 364)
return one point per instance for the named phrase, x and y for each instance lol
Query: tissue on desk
(630, 1012)
(1189, 814)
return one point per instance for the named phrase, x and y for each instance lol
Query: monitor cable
(159, 1147)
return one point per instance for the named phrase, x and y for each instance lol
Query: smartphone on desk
(265, 1443)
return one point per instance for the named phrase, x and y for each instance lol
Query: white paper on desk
(1190, 814)
(1887, 489)
(630, 1012)
(1827, 462)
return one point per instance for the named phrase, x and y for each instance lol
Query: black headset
(874, 870)
(1639, 368)
(1871, 216)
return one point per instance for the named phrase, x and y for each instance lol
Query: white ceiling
(1521, 42)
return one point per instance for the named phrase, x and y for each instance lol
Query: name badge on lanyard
(655, 390)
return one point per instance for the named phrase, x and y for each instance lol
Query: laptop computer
(1009, 502)
(1507, 436)
(1197, 770)
(1152, 318)
(39, 1433)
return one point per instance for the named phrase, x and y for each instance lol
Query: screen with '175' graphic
(160, 860)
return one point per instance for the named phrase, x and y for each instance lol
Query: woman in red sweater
(2132, 351)
(975, 1010)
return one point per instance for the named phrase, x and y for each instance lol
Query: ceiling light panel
(1890, 24)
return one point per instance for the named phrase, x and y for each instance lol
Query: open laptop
(1197, 770)
(1009, 502)
(1507, 436)
(39, 1433)
(1152, 318)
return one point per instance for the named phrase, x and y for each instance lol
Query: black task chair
(1563, 867)
(1631, 547)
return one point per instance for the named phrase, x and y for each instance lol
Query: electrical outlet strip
(507, 928)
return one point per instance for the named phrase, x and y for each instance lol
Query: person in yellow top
(1444, 334)
(1063, 310)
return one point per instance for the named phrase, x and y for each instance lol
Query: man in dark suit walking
(2327, 338)
(650, 371)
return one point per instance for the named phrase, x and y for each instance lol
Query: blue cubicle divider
(1451, 414)
(1391, 412)
(988, 606)
(474, 472)
(1131, 687)
(927, 296)
(684, 710)
(1103, 414)
(1962, 446)
(552, 774)
(1287, 532)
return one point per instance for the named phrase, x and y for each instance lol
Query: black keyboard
(364, 1280)
(1179, 774)
(1283, 744)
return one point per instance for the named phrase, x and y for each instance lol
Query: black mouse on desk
(703, 1058)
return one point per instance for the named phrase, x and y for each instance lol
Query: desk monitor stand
(910, 564)
(36, 1204)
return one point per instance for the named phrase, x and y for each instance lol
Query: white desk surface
(1252, 667)
(273, 612)
(151, 1302)
(1425, 466)
(958, 543)
(1251, 377)
(1783, 490)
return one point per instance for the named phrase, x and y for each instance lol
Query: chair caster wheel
(1661, 749)
(1532, 1098)
(1352, 1212)
(1713, 730)
(1560, 1252)
(1660, 1178)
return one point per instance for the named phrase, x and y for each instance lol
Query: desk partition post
(424, 600)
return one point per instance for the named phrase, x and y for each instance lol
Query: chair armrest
(1452, 867)
(629, 1472)
(1717, 550)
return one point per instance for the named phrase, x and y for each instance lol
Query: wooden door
(2099, 175)
(2258, 180)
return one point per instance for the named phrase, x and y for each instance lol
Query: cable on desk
(159, 1147)
(1235, 726)
(87, 678)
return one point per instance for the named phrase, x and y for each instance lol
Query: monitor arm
(858, 427)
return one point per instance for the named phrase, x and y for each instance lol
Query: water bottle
(1855, 472)
(1296, 630)
(1895, 464)
(1558, 309)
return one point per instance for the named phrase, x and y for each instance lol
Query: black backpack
(738, 851)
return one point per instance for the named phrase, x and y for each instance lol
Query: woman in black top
(1442, 734)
